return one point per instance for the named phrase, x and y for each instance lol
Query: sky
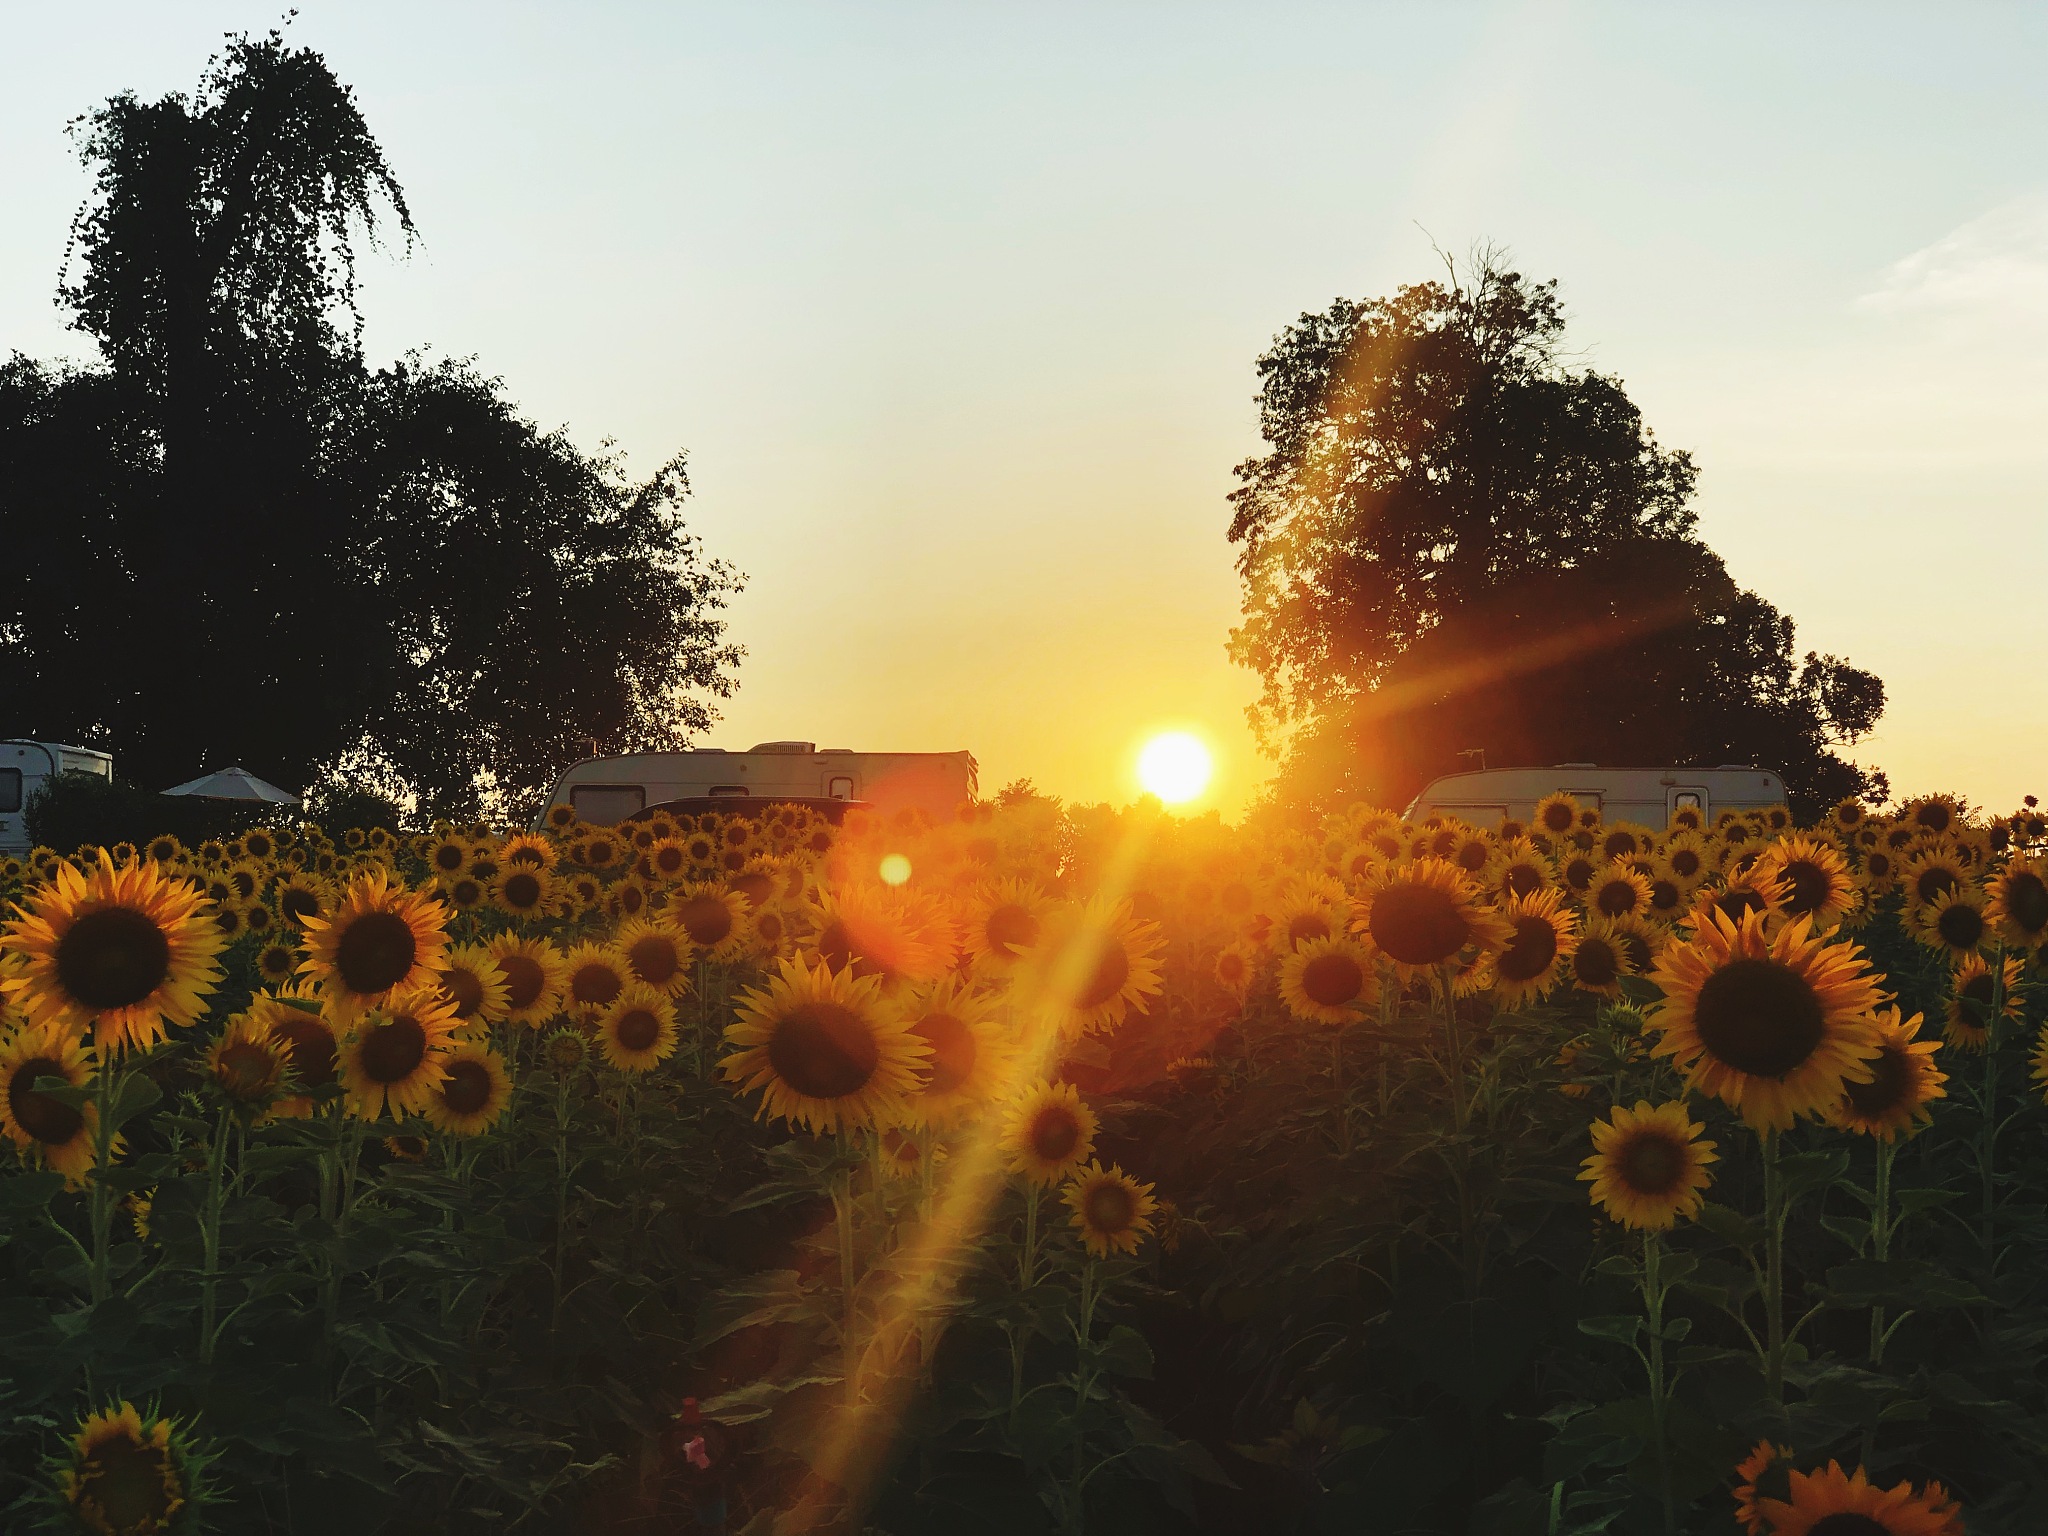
(956, 307)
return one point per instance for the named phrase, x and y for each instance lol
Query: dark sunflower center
(36, 1113)
(1618, 845)
(668, 860)
(1685, 863)
(468, 1088)
(1578, 873)
(1418, 924)
(1055, 1134)
(1977, 993)
(1848, 1523)
(1808, 887)
(1531, 950)
(824, 1050)
(465, 989)
(1110, 1207)
(129, 1484)
(1960, 926)
(1930, 883)
(1617, 898)
(246, 1070)
(1112, 969)
(1597, 963)
(1472, 857)
(1332, 980)
(2026, 900)
(448, 858)
(376, 952)
(393, 1050)
(1738, 904)
(522, 890)
(1665, 896)
(835, 945)
(654, 959)
(637, 1029)
(524, 980)
(1651, 1163)
(595, 985)
(311, 1048)
(1760, 1017)
(113, 958)
(951, 1062)
(1890, 1085)
(769, 927)
(1523, 879)
(1558, 818)
(1307, 925)
(1010, 929)
(707, 920)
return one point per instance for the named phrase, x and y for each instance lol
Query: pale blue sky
(956, 306)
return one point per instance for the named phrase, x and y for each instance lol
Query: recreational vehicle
(606, 790)
(1647, 796)
(25, 766)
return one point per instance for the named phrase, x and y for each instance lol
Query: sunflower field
(1040, 1170)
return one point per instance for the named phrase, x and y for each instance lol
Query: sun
(1175, 766)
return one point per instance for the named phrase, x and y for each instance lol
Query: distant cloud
(1995, 264)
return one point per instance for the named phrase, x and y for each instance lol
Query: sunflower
(657, 953)
(475, 1093)
(1543, 934)
(970, 1060)
(120, 951)
(1813, 879)
(1748, 893)
(277, 963)
(165, 849)
(561, 818)
(1618, 891)
(1685, 858)
(596, 975)
(1303, 919)
(1766, 1465)
(1329, 981)
(638, 1032)
(1556, 814)
(1625, 839)
(2019, 903)
(535, 973)
(1599, 961)
(1967, 1021)
(526, 891)
(448, 855)
(1641, 938)
(1049, 1133)
(474, 985)
(1772, 1025)
(1649, 1166)
(1111, 1209)
(669, 859)
(1903, 1082)
(1954, 923)
(54, 1132)
(1095, 963)
(381, 938)
(312, 1052)
(1421, 915)
(714, 918)
(1685, 818)
(395, 1058)
(1522, 869)
(1577, 869)
(300, 896)
(1234, 967)
(528, 850)
(248, 1062)
(824, 1050)
(873, 932)
(1932, 873)
(627, 899)
(126, 1472)
(1832, 1502)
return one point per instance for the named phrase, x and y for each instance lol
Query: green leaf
(1731, 1226)
(1126, 1353)
(1621, 1329)
(1805, 1172)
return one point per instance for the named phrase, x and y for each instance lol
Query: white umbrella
(235, 784)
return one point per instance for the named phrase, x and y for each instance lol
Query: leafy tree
(1459, 544)
(250, 547)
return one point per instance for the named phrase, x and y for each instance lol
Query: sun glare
(1175, 766)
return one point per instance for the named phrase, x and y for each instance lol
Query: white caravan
(24, 767)
(607, 790)
(1647, 796)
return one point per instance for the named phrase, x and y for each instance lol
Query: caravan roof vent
(787, 746)
(1575, 765)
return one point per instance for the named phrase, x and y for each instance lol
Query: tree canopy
(1458, 544)
(248, 545)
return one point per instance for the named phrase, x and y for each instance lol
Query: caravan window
(1689, 797)
(729, 791)
(839, 789)
(10, 789)
(604, 805)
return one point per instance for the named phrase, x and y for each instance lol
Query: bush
(74, 810)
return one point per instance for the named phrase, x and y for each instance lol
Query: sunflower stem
(1084, 1385)
(842, 1208)
(1774, 1267)
(1653, 1305)
(105, 1091)
(1987, 1136)
(1881, 1240)
(209, 1231)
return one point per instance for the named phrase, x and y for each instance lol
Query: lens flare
(895, 869)
(1175, 766)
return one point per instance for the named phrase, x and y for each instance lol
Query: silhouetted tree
(1457, 543)
(247, 546)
